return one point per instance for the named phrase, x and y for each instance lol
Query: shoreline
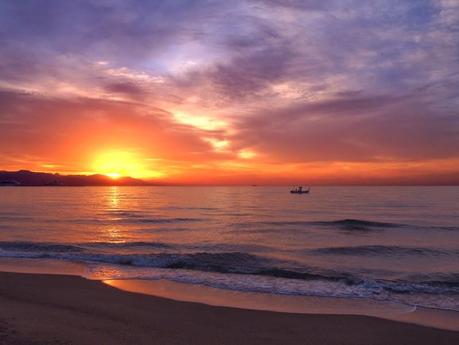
(258, 301)
(292, 304)
(63, 309)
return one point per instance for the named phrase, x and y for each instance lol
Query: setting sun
(114, 175)
(115, 164)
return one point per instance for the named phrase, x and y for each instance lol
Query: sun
(114, 175)
(116, 164)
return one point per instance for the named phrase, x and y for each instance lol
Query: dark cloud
(126, 88)
(360, 129)
(103, 29)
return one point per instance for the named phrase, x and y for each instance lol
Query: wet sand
(56, 309)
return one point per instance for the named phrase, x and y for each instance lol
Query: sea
(391, 244)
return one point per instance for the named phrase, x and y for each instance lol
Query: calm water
(386, 243)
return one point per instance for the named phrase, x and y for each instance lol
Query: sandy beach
(55, 309)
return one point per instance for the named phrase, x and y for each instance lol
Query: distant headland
(31, 178)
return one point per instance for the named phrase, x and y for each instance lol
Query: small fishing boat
(299, 190)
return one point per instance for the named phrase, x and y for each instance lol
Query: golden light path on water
(114, 233)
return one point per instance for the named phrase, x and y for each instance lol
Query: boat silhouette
(299, 190)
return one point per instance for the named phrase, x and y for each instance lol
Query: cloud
(125, 88)
(70, 131)
(295, 82)
(389, 128)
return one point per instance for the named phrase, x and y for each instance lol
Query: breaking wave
(239, 263)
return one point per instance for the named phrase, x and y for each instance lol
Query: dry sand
(52, 309)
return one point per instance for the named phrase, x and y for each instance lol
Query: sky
(232, 92)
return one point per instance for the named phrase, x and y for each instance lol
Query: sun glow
(116, 164)
(114, 175)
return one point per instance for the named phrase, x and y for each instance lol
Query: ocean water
(395, 244)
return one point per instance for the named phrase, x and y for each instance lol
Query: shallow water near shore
(437, 318)
(397, 245)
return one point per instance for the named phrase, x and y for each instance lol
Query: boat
(299, 190)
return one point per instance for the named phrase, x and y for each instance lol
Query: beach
(59, 309)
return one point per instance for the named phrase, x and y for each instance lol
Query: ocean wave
(358, 224)
(135, 245)
(228, 247)
(138, 244)
(124, 213)
(39, 247)
(432, 287)
(413, 294)
(187, 208)
(229, 263)
(47, 247)
(376, 250)
(334, 276)
(222, 262)
(247, 272)
(440, 280)
(161, 220)
(345, 224)
(128, 218)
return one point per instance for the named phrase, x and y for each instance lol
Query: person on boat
(300, 189)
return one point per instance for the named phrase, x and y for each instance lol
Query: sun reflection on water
(114, 198)
(113, 231)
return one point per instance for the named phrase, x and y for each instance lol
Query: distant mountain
(30, 178)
